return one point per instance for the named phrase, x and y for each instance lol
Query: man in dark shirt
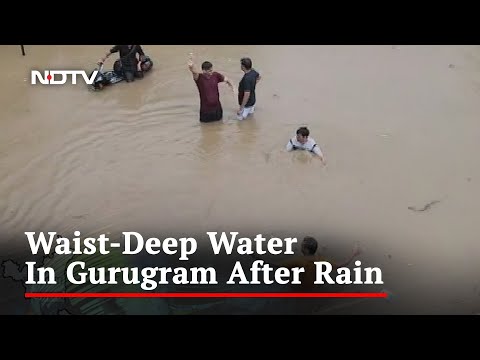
(246, 89)
(207, 83)
(130, 65)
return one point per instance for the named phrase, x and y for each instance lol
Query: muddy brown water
(399, 126)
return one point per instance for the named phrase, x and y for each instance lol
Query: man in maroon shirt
(207, 83)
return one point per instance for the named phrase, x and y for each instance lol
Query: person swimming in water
(303, 141)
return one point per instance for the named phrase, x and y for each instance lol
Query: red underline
(206, 295)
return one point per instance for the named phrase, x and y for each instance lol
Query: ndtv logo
(60, 77)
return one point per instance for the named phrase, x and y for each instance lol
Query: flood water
(399, 126)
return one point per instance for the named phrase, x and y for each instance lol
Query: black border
(294, 25)
(237, 333)
(239, 23)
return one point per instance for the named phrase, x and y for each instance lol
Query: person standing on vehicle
(130, 64)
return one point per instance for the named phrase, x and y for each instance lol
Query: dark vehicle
(111, 77)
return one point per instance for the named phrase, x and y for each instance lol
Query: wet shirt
(128, 54)
(310, 145)
(248, 83)
(208, 89)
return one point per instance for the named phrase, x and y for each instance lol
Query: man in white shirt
(303, 142)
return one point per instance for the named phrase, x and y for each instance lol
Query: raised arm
(193, 70)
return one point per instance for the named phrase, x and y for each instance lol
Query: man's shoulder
(215, 76)
(202, 77)
(252, 74)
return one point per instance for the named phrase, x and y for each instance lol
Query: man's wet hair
(206, 65)
(246, 63)
(303, 131)
(310, 244)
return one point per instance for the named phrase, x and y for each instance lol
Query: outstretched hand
(190, 60)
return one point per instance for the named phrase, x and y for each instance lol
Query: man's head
(309, 246)
(246, 64)
(207, 68)
(302, 135)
